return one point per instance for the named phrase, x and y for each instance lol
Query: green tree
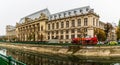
(118, 33)
(119, 24)
(100, 34)
(107, 28)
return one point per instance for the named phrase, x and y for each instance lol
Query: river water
(31, 59)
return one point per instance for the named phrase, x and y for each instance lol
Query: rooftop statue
(43, 16)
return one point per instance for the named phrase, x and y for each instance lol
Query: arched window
(62, 24)
(67, 24)
(73, 23)
(79, 22)
(48, 26)
(41, 28)
(52, 25)
(93, 21)
(85, 21)
(57, 25)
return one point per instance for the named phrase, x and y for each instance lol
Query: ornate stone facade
(10, 32)
(43, 26)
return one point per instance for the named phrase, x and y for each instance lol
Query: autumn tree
(107, 28)
(118, 31)
(100, 34)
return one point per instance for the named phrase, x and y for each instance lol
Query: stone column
(82, 21)
(90, 21)
(90, 31)
(75, 33)
(64, 38)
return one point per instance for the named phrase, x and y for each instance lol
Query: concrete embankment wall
(67, 50)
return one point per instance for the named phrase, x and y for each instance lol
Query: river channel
(43, 59)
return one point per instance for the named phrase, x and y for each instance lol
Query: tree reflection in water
(42, 59)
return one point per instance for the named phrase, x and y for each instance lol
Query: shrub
(113, 43)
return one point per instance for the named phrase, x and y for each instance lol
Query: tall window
(67, 31)
(41, 28)
(57, 25)
(38, 27)
(52, 25)
(48, 26)
(79, 22)
(67, 24)
(48, 33)
(52, 37)
(93, 21)
(85, 21)
(73, 23)
(96, 22)
(67, 36)
(52, 32)
(79, 35)
(61, 36)
(78, 31)
(62, 24)
(56, 32)
(57, 37)
(72, 36)
(85, 30)
(61, 31)
(73, 31)
(48, 37)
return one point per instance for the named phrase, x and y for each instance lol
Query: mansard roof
(35, 15)
(68, 13)
(71, 12)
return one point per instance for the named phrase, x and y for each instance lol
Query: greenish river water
(31, 59)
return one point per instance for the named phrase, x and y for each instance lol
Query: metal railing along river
(8, 60)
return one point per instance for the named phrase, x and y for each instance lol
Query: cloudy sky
(12, 10)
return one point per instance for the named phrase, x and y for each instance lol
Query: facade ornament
(91, 11)
(27, 20)
(36, 19)
(43, 16)
(17, 24)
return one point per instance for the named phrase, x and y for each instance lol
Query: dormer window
(87, 9)
(69, 13)
(59, 15)
(54, 16)
(81, 10)
(64, 14)
(51, 17)
(74, 12)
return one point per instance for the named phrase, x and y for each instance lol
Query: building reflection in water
(41, 59)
